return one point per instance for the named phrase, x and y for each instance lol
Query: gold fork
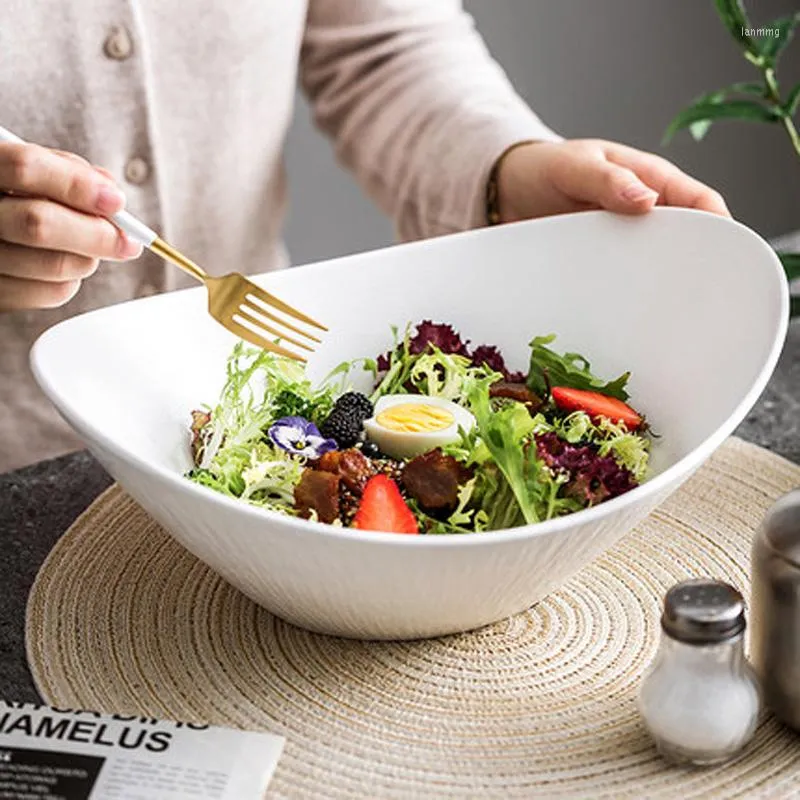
(243, 307)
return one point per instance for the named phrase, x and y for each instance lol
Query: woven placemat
(123, 619)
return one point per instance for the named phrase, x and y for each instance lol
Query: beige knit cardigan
(189, 104)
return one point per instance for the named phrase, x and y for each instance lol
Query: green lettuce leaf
(495, 498)
(433, 372)
(504, 432)
(548, 368)
(235, 457)
(630, 450)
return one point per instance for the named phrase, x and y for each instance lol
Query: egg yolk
(415, 418)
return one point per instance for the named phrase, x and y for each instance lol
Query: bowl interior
(693, 305)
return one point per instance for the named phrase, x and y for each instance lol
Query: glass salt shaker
(700, 698)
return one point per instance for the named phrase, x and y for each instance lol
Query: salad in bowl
(629, 294)
(449, 441)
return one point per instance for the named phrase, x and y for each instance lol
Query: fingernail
(128, 248)
(103, 172)
(637, 192)
(109, 200)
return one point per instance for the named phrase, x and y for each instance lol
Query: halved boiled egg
(407, 425)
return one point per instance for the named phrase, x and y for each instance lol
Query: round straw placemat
(123, 619)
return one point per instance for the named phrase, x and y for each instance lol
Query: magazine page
(60, 754)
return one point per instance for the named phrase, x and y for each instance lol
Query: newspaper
(58, 754)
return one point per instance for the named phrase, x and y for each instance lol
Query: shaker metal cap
(703, 611)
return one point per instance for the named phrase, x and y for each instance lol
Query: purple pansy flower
(300, 437)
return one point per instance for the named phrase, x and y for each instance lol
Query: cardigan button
(118, 45)
(137, 171)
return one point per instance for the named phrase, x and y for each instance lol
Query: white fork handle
(134, 228)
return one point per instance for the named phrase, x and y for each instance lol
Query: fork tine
(263, 310)
(248, 335)
(255, 316)
(270, 300)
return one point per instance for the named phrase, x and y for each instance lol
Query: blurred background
(615, 69)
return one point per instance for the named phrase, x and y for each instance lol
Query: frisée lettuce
(517, 455)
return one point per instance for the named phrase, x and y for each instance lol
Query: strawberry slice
(382, 508)
(596, 405)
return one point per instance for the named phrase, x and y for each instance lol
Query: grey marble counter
(37, 505)
(774, 421)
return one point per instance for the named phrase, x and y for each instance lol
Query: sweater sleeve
(416, 106)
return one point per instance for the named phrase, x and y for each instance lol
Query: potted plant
(763, 100)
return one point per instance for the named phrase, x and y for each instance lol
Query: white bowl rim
(596, 513)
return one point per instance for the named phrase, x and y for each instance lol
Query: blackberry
(342, 426)
(355, 403)
(345, 422)
(371, 450)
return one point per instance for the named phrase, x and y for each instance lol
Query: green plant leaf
(792, 101)
(700, 128)
(746, 87)
(731, 109)
(772, 46)
(791, 263)
(733, 16)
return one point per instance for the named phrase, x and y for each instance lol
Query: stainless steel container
(775, 608)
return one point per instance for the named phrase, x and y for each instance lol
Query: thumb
(609, 186)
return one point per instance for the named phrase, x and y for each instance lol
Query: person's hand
(545, 178)
(51, 234)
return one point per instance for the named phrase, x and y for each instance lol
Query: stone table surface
(38, 503)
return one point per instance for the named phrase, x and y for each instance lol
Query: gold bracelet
(492, 188)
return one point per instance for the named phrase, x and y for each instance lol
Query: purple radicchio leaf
(592, 478)
(488, 354)
(446, 339)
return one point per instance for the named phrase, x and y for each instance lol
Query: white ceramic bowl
(694, 305)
